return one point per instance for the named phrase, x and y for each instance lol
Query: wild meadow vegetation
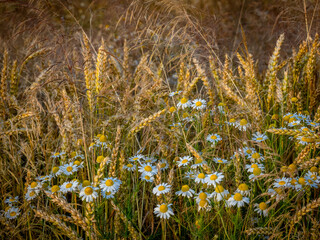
(144, 129)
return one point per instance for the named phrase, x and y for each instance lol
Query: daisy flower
(258, 137)
(163, 165)
(12, 213)
(11, 200)
(184, 161)
(243, 189)
(31, 194)
(35, 186)
(56, 171)
(255, 173)
(251, 167)
(150, 160)
(146, 178)
(199, 104)
(148, 169)
(107, 194)
(130, 167)
(88, 193)
(238, 200)
(69, 168)
(185, 191)
(214, 138)
(69, 186)
(44, 178)
(312, 124)
(163, 211)
(80, 164)
(256, 157)
(54, 189)
(214, 178)
(261, 209)
(281, 182)
(204, 205)
(190, 175)
(312, 180)
(242, 125)
(293, 183)
(162, 188)
(110, 184)
(136, 158)
(247, 151)
(305, 140)
(221, 107)
(174, 93)
(183, 103)
(277, 192)
(200, 178)
(57, 154)
(219, 193)
(232, 122)
(302, 181)
(220, 160)
(198, 163)
(202, 196)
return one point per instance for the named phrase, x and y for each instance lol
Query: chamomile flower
(130, 167)
(255, 173)
(136, 158)
(198, 163)
(191, 174)
(220, 160)
(243, 189)
(204, 205)
(232, 122)
(78, 164)
(44, 178)
(199, 104)
(69, 186)
(294, 184)
(162, 188)
(276, 192)
(174, 93)
(214, 178)
(184, 161)
(150, 160)
(54, 189)
(281, 182)
(110, 184)
(305, 140)
(31, 194)
(261, 209)
(312, 179)
(69, 169)
(238, 200)
(185, 191)
(200, 178)
(107, 194)
(302, 181)
(312, 124)
(57, 154)
(146, 178)
(163, 165)
(221, 107)
(251, 167)
(219, 193)
(256, 157)
(56, 171)
(247, 151)
(36, 186)
(12, 213)
(88, 193)
(183, 103)
(148, 169)
(202, 196)
(242, 125)
(214, 138)
(163, 211)
(11, 200)
(258, 137)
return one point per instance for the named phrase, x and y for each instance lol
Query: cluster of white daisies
(11, 211)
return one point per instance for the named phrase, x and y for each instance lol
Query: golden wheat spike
(14, 79)
(4, 76)
(100, 67)
(305, 210)
(272, 71)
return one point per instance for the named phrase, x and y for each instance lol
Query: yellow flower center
(203, 203)
(129, 165)
(34, 184)
(203, 196)
(69, 169)
(108, 193)
(305, 129)
(163, 208)
(292, 120)
(292, 167)
(161, 188)
(310, 181)
(213, 137)
(263, 206)
(284, 168)
(219, 189)
(254, 165)
(314, 177)
(281, 183)
(237, 197)
(184, 161)
(88, 191)
(243, 187)
(293, 181)
(11, 200)
(198, 160)
(147, 177)
(85, 183)
(13, 213)
(201, 175)
(256, 171)
(220, 161)
(55, 188)
(55, 169)
(249, 151)
(69, 185)
(314, 169)
(103, 138)
(56, 154)
(185, 188)
(308, 140)
(77, 163)
(232, 120)
(99, 159)
(259, 138)
(32, 193)
(213, 177)
(185, 115)
(73, 154)
(183, 100)
(278, 190)
(255, 155)
(243, 122)
(147, 168)
(135, 159)
(163, 165)
(198, 104)
(91, 144)
(172, 109)
(109, 183)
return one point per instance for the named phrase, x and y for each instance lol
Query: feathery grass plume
(305, 210)
(303, 154)
(205, 80)
(132, 230)
(88, 71)
(147, 121)
(100, 68)
(56, 221)
(4, 76)
(14, 79)
(271, 74)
